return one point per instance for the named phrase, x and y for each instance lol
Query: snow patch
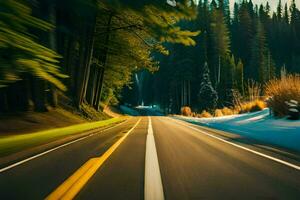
(258, 125)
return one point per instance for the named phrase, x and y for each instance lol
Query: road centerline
(242, 147)
(13, 165)
(153, 189)
(72, 186)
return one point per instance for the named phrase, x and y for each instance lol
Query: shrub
(194, 114)
(282, 90)
(205, 114)
(227, 111)
(186, 111)
(218, 113)
(252, 106)
(258, 106)
(253, 90)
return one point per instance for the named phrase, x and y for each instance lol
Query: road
(155, 158)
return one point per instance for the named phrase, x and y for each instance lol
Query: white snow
(259, 126)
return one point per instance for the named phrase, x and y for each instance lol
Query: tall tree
(207, 95)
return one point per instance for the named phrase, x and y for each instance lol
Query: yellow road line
(72, 186)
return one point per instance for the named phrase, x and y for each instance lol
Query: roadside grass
(283, 90)
(16, 143)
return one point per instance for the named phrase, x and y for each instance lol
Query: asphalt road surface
(155, 158)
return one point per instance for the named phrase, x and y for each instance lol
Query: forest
(81, 53)
(87, 54)
(237, 50)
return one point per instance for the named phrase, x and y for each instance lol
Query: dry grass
(253, 91)
(228, 111)
(218, 113)
(281, 90)
(252, 106)
(205, 114)
(186, 111)
(244, 107)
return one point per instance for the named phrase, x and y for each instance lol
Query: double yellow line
(72, 186)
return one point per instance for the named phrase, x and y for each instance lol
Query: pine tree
(286, 14)
(226, 85)
(220, 43)
(259, 58)
(238, 79)
(279, 11)
(246, 34)
(207, 95)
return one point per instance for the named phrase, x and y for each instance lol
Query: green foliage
(20, 51)
(138, 33)
(261, 62)
(238, 77)
(207, 95)
(220, 33)
(162, 22)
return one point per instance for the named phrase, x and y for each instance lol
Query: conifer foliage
(248, 43)
(207, 96)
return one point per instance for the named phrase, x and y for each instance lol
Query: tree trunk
(86, 49)
(18, 96)
(92, 84)
(52, 98)
(39, 95)
(102, 59)
(89, 57)
(3, 100)
(98, 88)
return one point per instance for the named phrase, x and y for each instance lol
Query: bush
(194, 114)
(252, 106)
(186, 111)
(258, 106)
(218, 113)
(205, 114)
(281, 91)
(227, 111)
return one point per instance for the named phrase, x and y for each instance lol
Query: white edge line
(153, 189)
(244, 148)
(55, 148)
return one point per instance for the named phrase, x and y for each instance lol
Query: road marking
(53, 149)
(153, 189)
(244, 148)
(72, 186)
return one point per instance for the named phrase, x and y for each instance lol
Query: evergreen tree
(246, 34)
(220, 43)
(207, 95)
(279, 11)
(259, 59)
(238, 77)
(286, 14)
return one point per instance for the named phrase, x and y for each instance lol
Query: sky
(273, 3)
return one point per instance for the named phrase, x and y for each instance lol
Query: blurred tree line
(82, 52)
(251, 42)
